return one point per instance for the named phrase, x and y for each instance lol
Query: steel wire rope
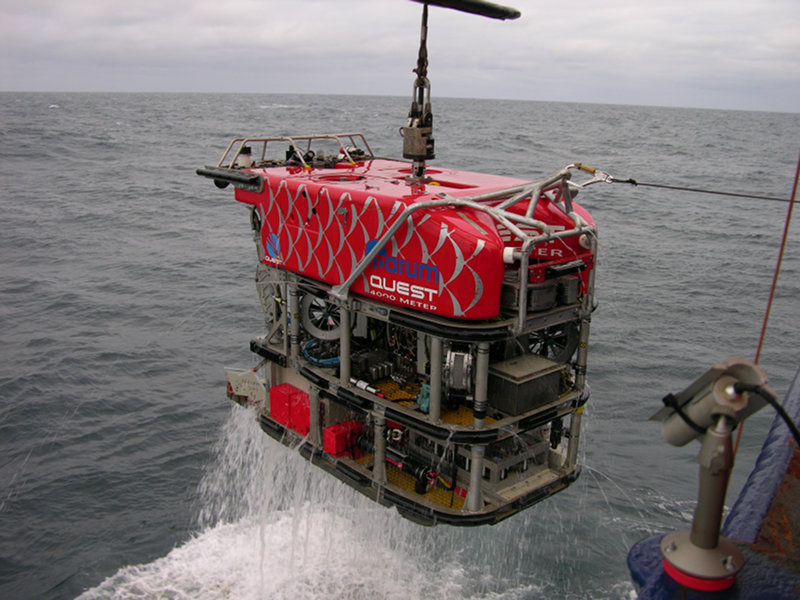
(791, 202)
(701, 191)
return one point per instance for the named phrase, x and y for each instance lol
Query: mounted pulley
(418, 132)
(418, 142)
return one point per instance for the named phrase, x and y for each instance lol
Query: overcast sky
(740, 54)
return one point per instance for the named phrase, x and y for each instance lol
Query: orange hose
(774, 284)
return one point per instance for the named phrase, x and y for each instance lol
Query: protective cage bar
(301, 145)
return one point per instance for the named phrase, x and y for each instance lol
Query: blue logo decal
(396, 266)
(273, 246)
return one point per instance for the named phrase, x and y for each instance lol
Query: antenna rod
(422, 58)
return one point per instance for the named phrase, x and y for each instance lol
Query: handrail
(353, 137)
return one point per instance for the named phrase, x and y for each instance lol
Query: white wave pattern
(295, 556)
(275, 527)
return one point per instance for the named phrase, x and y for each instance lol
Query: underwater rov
(711, 407)
(426, 328)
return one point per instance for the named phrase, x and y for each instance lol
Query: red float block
(299, 413)
(336, 440)
(280, 397)
(340, 439)
(289, 406)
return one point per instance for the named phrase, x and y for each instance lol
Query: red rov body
(449, 259)
(426, 329)
(426, 335)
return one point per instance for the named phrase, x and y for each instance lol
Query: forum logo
(402, 267)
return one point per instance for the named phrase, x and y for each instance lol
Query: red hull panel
(447, 261)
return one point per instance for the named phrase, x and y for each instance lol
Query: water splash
(271, 525)
(274, 526)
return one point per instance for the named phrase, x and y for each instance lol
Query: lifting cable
(699, 191)
(791, 202)
(774, 285)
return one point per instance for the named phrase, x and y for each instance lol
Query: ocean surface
(126, 284)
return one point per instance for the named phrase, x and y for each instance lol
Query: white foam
(273, 526)
(299, 554)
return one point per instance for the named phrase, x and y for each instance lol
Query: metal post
(315, 424)
(344, 346)
(379, 458)
(294, 335)
(574, 438)
(716, 461)
(481, 386)
(701, 553)
(474, 495)
(284, 317)
(580, 366)
(435, 406)
(583, 353)
(524, 275)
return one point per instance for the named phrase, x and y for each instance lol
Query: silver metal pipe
(534, 202)
(379, 456)
(481, 386)
(344, 346)
(314, 421)
(294, 334)
(435, 404)
(474, 495)
(526, 189)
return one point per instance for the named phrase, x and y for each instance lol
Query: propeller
(477, 7)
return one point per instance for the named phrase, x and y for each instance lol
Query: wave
(273, 526)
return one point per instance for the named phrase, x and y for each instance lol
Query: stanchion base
(704, 569)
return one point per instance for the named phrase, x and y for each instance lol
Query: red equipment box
(289, 406)
(280, 402)
(336, 440)
(340, 439)
(299, 413)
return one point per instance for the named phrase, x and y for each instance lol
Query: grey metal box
(522, 383)
(541, 296)
(568, 288)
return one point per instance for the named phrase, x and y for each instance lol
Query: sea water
(126, 284)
